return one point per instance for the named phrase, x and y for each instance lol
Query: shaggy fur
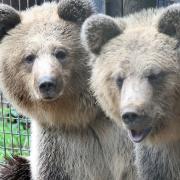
(71, 137)
(138, 69)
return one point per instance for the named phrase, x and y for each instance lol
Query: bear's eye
(156, 77)
(119, 81)
(61, 55)
(30, 59)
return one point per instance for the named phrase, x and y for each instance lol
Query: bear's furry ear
(97, 30)
(9, 18)
(75, 10)
(169, 22)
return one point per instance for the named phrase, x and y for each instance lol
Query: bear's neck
(68, 111)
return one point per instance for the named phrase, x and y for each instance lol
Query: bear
(135, 76)
(45, 75)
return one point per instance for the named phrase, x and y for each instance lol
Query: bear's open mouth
(138, 135)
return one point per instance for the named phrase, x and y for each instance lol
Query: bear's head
(136, 71)
(42, 62)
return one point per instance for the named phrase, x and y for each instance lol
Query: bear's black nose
(47, 86)
(130, 117)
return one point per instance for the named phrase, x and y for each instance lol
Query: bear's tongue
(138, 136)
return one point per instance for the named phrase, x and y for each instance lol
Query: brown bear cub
(136, 79)
(44, 73)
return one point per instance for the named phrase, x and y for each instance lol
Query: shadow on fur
(16, 168)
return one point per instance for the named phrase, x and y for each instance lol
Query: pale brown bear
(136, 79)
(44, 74)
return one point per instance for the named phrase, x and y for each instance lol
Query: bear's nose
(130, 116)
(47, 85)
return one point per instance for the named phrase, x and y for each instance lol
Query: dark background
(112, 7)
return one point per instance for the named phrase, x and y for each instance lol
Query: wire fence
(24, 4)
(14, 131)
(15, 128)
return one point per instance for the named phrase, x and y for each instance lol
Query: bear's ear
(75, 10)
(9, 18)
(97, 30)
(169, 22)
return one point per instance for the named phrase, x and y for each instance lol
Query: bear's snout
(134, 107)
(49, 87)
(137, 124)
